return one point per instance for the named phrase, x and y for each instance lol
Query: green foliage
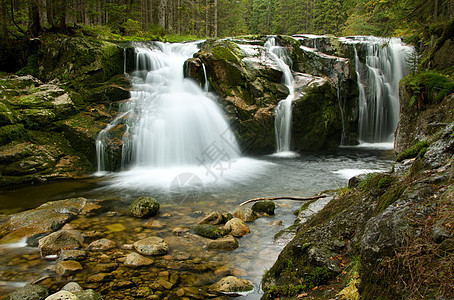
(430, 86)
(417, 149)
(131, 27)
(369, 176)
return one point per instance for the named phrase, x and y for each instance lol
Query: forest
(154, 19)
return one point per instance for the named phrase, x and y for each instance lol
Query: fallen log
(286, 198)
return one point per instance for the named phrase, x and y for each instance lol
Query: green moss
(210, 231)
(11, 133)
(389, 198)
(416, 150)
(363, 183)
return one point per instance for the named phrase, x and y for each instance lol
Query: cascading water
(283, 111)
(378, 83)
(172, 127)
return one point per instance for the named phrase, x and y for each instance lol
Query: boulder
(30, 292)
(213, 218)
(135, 260)
(231, 284)
(77, 255)
(237, 228)
(246, 215)
(72, 287)
(144, 207)
(152, 246)
(55, 242)
(265, 206)
(228, 243)
(67, 267)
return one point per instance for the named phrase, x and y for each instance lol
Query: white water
(378, 82)
(283, 111)
(172, 127)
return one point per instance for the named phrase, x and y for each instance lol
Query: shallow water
(182, 204)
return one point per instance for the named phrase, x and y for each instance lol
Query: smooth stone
(152, 246)
(214, 218)
(135, 260)
(102, 245)
(72, 287)
(117, 227)
(228, 243)
(231, 284)
(153, 224)
(180, 230)
(64, 268)
(62, 295)
(246, 215)
(55, 242)
(237, 228)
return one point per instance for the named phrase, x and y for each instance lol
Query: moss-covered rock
(266, 206)
(144, 207)
(210, 231)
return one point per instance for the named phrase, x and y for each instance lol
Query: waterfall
(378, 76)
(283, 111)
(206, 85)
(169, 122)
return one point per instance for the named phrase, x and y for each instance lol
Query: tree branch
(282, 198)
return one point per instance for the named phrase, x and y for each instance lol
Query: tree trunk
(207, 21)
(33, 13)
(4, 21)
(436, 11)
(162, 13)
(215, 18)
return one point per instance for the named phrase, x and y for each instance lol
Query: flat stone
(228, 243)
(237, 228)
(67, 267)
(166, 284)
(62, 295)
(102, 245)
(135, 260)
(152, 246)
(105, 268)
(55, 242)
(100, 277)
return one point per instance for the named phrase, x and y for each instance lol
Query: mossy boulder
(265, 206)
(210, 231)
(144, 207)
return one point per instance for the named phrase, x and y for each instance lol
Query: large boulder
(54, 243)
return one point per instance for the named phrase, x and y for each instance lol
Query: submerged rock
(266, 206)
(152, 246)
(144, 207)
(102, 245)
(77, 255)
(228, 243)
(237, 228)
(54, 243)
(67, 267)
(231, 284)
(135, 260)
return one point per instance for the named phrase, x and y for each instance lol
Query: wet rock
(180, 230)
(181, 256)
(213, 218)
(40, 221)
(276, 223)
(100, 277)
(210, 231)
(237, 228)
(166, 284)
(228, 243)
(122, 284)
(54, 243)
(88, 295)
(246, 214)
(440, 232)
(62, 295)
(67, 267)
(152, 246)
(153, 224)
(231, 284)
(266, 206)
(77, 255)
(72, 287)
(102, 245)
(105, 268)
(144, 207)
(135, 260)
(30, 292)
